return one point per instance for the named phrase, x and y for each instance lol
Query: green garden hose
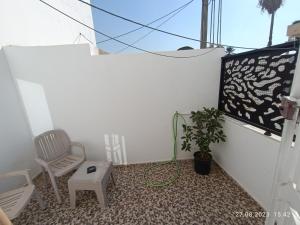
(151, 183)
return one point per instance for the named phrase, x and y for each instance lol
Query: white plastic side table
(96, 181)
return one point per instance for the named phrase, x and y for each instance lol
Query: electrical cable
(163, 183)
(213, 22)
(159, 30)
(221, 6)
(138, 23)
(141, 49)
(81, 34)
(77, 37)
(151, 31)
(218, 23)
(210, 26)
(124, 43)
(141, 27)
(167, 32)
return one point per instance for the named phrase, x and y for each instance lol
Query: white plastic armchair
(54, 154)
(4, 219)
(14, 201)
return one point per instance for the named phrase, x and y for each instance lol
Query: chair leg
(4, 219)
(101, 196)
(113, 179)
(37, 196)
(52, 178)
(72, 193)
(45, 177)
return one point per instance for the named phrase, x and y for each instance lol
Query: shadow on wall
(39, 118)
(36, 106)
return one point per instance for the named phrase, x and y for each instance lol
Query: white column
(285, 145)
(295, 92)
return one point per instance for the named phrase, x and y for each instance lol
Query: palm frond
(270, 5)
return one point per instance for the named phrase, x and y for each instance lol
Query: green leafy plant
(229, 50)
(206, 128)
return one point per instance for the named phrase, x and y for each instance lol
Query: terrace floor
(193, 199)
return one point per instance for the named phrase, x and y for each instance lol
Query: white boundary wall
(131, 95)
(16, 150)
(250, 158)
(135, 96)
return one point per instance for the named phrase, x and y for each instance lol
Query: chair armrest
(45, 164)
(42, 163)
(81, 146)
(4, 219)
(17, 173)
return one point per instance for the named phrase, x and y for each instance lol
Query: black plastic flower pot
(202, 163)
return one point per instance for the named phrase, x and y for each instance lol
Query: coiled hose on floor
(151, 183)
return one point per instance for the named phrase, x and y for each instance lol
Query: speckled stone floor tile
(193, 199)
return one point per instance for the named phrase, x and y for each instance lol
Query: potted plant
(206, 128)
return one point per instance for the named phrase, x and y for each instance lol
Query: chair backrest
(52, 145)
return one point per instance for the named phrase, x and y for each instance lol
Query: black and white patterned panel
(252, 86)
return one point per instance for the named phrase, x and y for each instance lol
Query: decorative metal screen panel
(253, 82)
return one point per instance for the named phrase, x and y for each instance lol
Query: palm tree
(271, 7)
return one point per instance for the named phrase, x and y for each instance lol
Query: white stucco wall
(135, 96)
(250, 158)
(132, 95)
(31, 23)
(16, 150)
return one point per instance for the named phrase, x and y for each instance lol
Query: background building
(31, 23)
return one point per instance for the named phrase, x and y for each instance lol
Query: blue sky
(243, 23)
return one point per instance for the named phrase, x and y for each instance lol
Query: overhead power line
(77, 38)
(173, 34)
(141, 27)
(138, 23)
(151, 31)
(215, 10)
(156, 29)
(140, 49)
(81, 34)
(124, 43)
